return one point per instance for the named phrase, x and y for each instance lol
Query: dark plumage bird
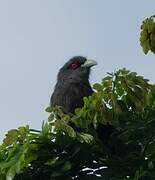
(72, 84)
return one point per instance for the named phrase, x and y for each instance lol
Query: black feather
(72, 85)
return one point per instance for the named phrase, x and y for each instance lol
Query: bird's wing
(70, 96)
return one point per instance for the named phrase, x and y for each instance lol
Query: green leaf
(84, 137)
(11, 137)
(51, 117)
(98, 87)
(49, 109)
(147, 35)
(61, 126)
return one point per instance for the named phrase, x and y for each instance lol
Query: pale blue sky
(38, 36)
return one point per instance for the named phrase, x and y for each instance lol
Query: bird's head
(76, 68)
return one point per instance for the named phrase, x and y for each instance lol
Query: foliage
(69, 146)
(147, 35)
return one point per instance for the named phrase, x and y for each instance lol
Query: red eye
(74, 65)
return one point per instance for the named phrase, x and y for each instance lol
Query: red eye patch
(74, 65)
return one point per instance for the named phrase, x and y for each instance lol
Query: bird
(73, 84)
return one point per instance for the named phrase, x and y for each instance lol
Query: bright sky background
(38, 36)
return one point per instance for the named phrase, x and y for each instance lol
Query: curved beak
(89, 63)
